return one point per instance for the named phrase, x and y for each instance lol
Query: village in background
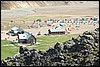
(45, 26)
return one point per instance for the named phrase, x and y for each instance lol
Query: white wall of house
(22, 36)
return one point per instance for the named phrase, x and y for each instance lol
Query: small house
(56, 31)
(15, 31)
(27, 38)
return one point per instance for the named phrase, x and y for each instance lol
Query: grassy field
(50, 41)
(8, 49)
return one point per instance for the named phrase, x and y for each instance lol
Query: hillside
(28, 4)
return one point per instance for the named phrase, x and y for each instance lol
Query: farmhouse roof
(27, 34)
(15, 28)
(57, 30)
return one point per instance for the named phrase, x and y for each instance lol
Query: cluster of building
(26, 37)
(23, 36)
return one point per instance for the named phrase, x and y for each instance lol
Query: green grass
(45, 43)
(50, 41)
(8, 50)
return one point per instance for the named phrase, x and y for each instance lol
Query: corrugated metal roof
(27, 34)
(15, 28)
(57, 30)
